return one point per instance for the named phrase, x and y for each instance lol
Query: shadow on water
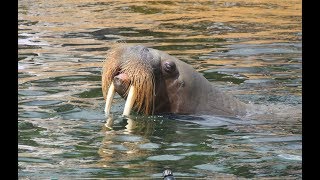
(250, 49)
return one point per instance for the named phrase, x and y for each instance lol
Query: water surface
(250, 49)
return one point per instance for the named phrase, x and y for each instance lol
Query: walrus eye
(169, 66)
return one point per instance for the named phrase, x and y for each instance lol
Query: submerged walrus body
(153, 82)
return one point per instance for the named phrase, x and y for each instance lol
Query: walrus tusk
(129, 102)
(110, 96)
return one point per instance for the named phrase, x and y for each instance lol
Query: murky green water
(251, 49)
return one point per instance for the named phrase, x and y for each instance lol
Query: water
(250, 49)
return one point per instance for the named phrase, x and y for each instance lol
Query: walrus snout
(129, 71)
(121, 83)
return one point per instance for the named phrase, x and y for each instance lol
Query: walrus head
(154, 82)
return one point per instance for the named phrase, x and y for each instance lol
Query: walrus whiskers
(141, 81)
(109, 70)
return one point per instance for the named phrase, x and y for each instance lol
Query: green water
(250, 49)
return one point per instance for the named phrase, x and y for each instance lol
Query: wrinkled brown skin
(182, 90)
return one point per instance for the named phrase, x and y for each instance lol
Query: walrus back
(225, 104)
(213, 101)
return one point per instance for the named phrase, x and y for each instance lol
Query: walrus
(154, 82)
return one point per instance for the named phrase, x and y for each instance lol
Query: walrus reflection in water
(153, 82)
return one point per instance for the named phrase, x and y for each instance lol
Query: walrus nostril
(117, 81)
(121, 83)
(121, 79)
